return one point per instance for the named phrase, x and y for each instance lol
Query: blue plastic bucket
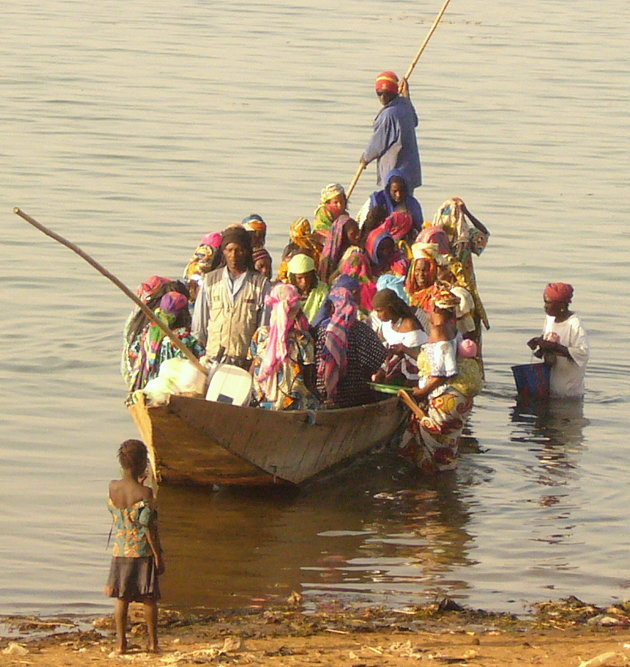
(532, 380)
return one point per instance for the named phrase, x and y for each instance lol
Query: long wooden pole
(438, 18)
(143, 307)
(408, 73)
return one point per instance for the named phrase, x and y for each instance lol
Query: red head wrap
(386, 81)
(561, 292)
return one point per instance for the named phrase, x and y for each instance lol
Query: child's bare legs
(151, 619)
(120, 618)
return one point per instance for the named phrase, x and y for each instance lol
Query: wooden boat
(194, 441)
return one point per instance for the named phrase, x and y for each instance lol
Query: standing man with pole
(390, 149)
(394, 144)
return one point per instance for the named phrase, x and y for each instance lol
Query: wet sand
(565, 633)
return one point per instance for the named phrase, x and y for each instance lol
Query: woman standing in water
(563, 344)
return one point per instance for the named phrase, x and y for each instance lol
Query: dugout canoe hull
(194, 441)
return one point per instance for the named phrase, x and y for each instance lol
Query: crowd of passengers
(383, 298)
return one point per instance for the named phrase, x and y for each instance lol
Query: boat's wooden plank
(203, 442)
(185, 455)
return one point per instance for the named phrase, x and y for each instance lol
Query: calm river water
(135, 128)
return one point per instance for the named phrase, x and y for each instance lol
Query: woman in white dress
(399, 329)
(563, 344)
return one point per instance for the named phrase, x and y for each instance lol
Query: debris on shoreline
(441, 632)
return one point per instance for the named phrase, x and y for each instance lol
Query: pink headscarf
(211, 240)
(282, 300)
(561, 292)
(150, 287)
(435, 234)
(398, 224)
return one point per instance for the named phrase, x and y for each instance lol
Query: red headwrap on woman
(561, 292)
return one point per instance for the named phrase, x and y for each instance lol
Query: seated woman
(394, 197)
(384, 254)
(445, 390)
(303, 276)
(201, 262)
(332, 204)
(398, 326)
(283, 355)
(563, 344)
(348, 353)
(341, 243)
(302, 241)
(152, 347)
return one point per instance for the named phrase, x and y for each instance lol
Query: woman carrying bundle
(283, 355)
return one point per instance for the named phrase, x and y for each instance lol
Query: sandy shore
(566, 633)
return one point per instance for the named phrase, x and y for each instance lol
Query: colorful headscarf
(394, 283)
(172, 303)
(333, 360)
(398, 263)
(344, 281)
(559, 292)
(358, 266)
(254, 223)
(443, 298)
(334, 248)
(302, 236)
(325, 213)
(398, 224)
(386, 81)
(429, 254)
(428, 251)
(436, 235)
(451, 218)
(150, 287)
(282, 300)
(331, 191)
(373, 241)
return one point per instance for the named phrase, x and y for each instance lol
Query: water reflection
(555, 427)
(553, 431)
(377, 531)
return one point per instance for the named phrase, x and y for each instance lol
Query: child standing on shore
(137, 555)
